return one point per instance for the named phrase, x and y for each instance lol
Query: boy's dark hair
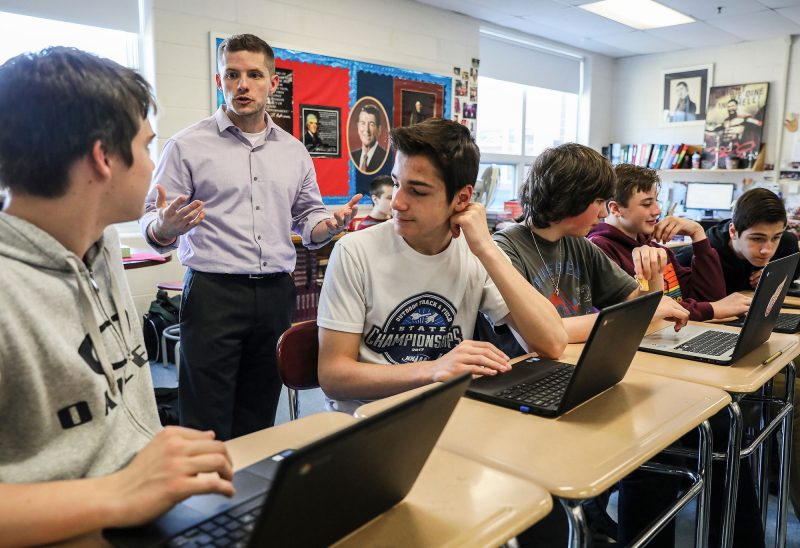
(632, 179)
(54, 105)
(377, 184)
(562, 182)
(247, 42)
(449, 147)
(758, 205)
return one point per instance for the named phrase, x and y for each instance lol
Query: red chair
(297, 353)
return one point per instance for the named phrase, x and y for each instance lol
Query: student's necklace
(547, 268)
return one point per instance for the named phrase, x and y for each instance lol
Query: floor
(313, 401)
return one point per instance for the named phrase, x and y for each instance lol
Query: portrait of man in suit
(685, 108)
(371, 156)
(311, 137)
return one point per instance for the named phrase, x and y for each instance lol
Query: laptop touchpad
(247, 486)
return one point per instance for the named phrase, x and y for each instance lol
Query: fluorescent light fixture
(639, 14)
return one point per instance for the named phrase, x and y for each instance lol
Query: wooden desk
(746, 376)
(584, 452)
(587, 450)
(455, 502)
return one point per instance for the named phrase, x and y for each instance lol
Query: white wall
(791, 141)
(397, 33)
(637, 91)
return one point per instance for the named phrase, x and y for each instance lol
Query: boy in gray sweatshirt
(81, 447)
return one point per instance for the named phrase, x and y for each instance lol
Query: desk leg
(704, 461)
(731, 473)
(764, 454)
(578, 528)
(786, 455)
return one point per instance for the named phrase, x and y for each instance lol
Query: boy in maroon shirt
(633, 222)
(380, 190)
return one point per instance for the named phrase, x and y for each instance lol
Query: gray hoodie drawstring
(90, 324)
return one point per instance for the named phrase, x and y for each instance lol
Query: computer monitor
(709, 197)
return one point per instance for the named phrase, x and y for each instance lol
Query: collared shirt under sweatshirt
(693, 287)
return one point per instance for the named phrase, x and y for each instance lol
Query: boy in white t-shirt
(415, 309)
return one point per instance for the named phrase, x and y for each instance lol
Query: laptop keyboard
(712, 343)
(544, 392)
(231, 528)
(786, 323)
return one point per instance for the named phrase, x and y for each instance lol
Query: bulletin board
(321, 100)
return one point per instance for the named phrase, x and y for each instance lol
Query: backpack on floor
(163, 312)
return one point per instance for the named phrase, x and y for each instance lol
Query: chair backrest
(298, 348)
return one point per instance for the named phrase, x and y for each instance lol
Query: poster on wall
(685, 94)
(321, 101)
(734, 123)
(417, 101)
(321, 134)
(368, 135)
(279, 105)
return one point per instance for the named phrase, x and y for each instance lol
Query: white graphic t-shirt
(407, 306)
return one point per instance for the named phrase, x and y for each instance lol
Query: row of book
(652, 155)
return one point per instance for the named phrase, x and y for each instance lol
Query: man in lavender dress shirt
(238, 186)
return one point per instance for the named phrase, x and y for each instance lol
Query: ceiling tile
(790, 13)
(588, 24)
(639, 42)
(695, 35)
(774, 4)
(763, 25)
(705, 9)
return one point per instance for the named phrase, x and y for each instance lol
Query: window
(516, 122)
(22, 33)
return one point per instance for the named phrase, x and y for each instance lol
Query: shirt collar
(223, 122)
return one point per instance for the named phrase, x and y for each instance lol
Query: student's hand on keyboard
(671, 311)
(669, 227)
(177, 463)
(476, 357)
(734, 304)
(648, 264)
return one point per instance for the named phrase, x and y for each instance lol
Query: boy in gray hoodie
(81, 447)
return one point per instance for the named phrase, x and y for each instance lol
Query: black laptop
(700, 343)
(785, 323)
(551, 388)
(316, 494)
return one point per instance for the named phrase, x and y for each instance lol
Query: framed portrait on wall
(368, 135)
(321, 130)
(215, 39)
(417, 101)
(684, 97)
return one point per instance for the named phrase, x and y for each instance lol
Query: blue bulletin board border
(355, 67)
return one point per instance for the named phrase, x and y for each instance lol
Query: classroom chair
(173, 332)
(298, 348)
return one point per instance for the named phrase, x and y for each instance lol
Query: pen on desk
(772, 358)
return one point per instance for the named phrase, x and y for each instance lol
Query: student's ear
(462, 198)
(98, 158)
(219, 81)
(732, 232)
(614, 208)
